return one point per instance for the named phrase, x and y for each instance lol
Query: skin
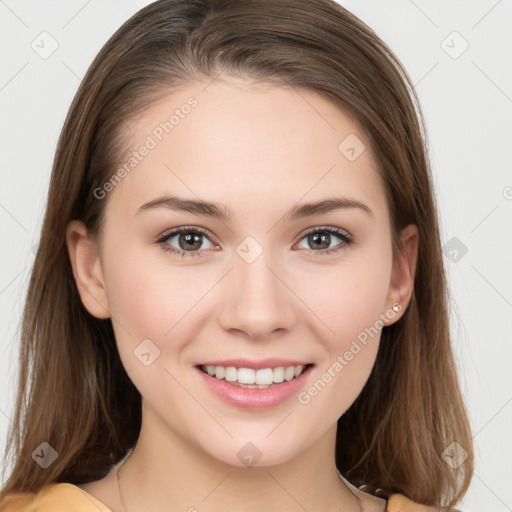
(259, 150)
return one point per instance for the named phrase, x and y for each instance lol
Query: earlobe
(87, 269)
(403, 273)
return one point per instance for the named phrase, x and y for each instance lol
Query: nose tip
(255, 300)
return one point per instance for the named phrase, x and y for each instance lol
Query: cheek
(349, 301)
(152, 305)
(153, 299)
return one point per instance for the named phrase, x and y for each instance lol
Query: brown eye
(185, 241)
(189, 241)
(320, 240)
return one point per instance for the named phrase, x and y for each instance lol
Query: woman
(239, 296)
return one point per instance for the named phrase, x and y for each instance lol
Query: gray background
(466, 94)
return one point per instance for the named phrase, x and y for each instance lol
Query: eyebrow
(221, 212)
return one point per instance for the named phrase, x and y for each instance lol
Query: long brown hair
(73, 392)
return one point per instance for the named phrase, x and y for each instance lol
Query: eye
(189, 241)
(321, 238)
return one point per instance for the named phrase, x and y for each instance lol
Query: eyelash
(345, 238)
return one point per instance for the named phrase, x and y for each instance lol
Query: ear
(403, 272)
(87, 271)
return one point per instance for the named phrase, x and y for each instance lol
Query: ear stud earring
(397, 307)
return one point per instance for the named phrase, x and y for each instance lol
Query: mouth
(252, 378)
(254, 384)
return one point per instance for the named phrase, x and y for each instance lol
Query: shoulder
(400, 503)
(61, 497)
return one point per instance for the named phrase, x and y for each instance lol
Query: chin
(259, 452)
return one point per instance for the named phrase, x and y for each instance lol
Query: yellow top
(65, 497)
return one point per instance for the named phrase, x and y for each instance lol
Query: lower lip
(255, 398)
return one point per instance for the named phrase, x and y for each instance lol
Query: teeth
(249, 378)
(230, 373)
(265, 376)
(289, 373)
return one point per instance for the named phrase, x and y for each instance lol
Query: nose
(258, 299)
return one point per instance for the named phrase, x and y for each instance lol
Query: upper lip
(255, 365)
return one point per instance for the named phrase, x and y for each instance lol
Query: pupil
(318, 238)
(190, 240)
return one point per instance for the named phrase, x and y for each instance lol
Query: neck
(170, 474)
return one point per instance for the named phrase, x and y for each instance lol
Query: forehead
(241, 143)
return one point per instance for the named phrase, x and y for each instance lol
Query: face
(264, 284)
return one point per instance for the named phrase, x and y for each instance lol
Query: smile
(267, 384)
(251, 378)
